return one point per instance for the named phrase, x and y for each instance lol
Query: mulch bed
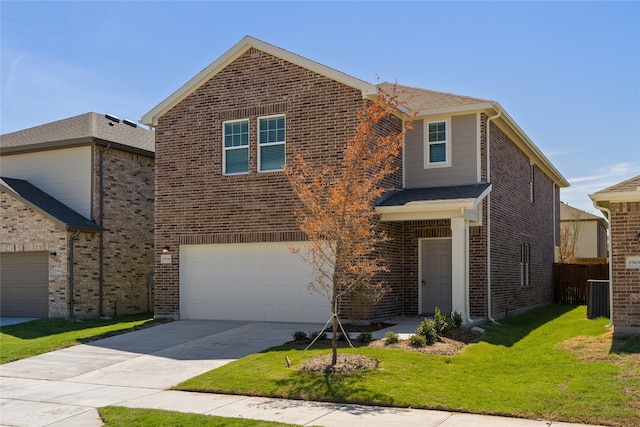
(448, 345)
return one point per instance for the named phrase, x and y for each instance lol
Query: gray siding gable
(464, 154)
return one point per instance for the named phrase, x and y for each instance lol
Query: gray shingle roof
(569, 213)
(80, 129)
(424, 99)
(402, 197)
(631, 184)
(61, 214)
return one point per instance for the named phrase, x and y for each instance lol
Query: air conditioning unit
(597, 298)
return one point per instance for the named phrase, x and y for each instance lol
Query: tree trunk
(334, 340)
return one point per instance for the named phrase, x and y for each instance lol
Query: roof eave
(247, 42)
(557, 177)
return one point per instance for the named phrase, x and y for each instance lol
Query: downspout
(101, 238)
(489, 217)
(466, 273)
(70, 271)
(610, 257)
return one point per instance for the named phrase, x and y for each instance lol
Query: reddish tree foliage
(337, 212)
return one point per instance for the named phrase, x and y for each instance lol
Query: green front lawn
(118, 416)
(43, 335)
(551, 363)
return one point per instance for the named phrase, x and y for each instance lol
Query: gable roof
(625, 191)
(569, 213)
(77, 130)
(422, 101)
(247, 42)
(60, 214)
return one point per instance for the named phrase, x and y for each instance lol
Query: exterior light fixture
(166, 249)
(638, 236)
(52, 254)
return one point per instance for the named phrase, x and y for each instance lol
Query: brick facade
(128, 230)
(516, 219)
(195, 202)
(625, 226)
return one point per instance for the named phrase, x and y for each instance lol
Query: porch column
(460, 266)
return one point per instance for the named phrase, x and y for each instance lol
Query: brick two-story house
(77, 218)
(473, 211)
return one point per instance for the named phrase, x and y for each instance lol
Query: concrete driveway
(63, 388)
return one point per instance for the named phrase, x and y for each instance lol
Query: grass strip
(43, 335)
(118, 416)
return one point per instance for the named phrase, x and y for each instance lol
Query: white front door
(435, 278)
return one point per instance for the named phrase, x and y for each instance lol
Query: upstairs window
(271, 143)
(438, 146)
(236, 147)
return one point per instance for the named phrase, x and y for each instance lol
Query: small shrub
(417, 340)
(299, 335)
(320, 336)
(391, 338)
(365, 337)
(427, 329)
(456, 319)
(442, 322)
(343, 337)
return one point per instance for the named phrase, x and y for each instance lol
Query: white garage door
(258, 282)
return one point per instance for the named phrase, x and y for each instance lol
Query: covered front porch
(437, 225)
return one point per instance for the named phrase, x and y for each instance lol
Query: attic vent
(112, 118)
(130, 123)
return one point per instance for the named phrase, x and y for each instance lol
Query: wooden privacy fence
(570, 281)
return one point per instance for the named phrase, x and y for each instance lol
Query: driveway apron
(65, 387)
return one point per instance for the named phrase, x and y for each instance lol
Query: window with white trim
(235, 147)
(525, 255)
(437, 151)
(271, 143)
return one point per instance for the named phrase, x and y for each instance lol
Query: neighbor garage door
(24, 284)
(258, 282)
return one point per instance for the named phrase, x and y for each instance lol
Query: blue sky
(567, 72)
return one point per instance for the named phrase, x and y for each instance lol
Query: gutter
(489, 316)
(610, 259)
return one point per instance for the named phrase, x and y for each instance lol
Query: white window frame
(225, 148)
(428, 164)
(271, 144)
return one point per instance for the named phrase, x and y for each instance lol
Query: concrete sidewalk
(64, 387)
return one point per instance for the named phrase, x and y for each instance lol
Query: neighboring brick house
(77, 218)
(621, 205)
(591, 230)
(225, 211)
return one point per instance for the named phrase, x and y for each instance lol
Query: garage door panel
(264, 282)
(24, 284)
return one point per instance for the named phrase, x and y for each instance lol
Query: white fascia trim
(247, 42)
(622, 196)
